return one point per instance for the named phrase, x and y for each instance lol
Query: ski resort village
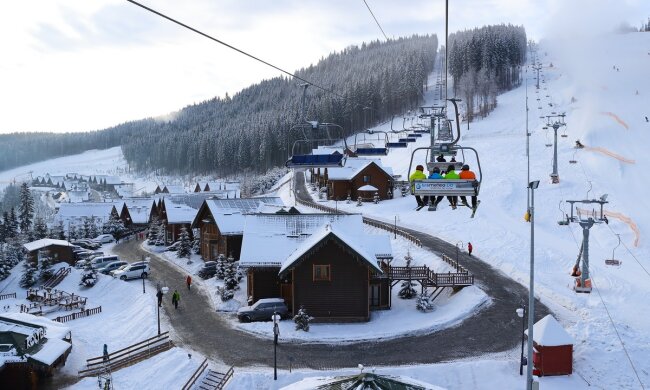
(443, 195)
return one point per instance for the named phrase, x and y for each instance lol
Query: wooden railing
(196, 375)
(454, 263)
(7, 296)
(81, 314)
(429, 278)
(368, 221)
(225, 378)
(129, 355)
(58, 276)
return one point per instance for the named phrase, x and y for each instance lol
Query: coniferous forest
(250, 130)
(484, 62)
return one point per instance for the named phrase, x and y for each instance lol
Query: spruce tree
(29, 275)
(231, 282)
(73, 233)
(196, 245)
(302, 319)
(221, 266)
(26, 208)
(161, 236)
(114, 226)
(12, 225)
(45, 261)
(93, 230)
(185, 246)
(152, 233)
(40, 229)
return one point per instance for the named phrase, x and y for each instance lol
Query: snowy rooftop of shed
(549, 333)
(272, 239)
(353, 166)
(53, 329)
(179, 213)
(43, 243)
(87, 209)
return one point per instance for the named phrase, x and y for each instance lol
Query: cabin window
(322, 273)
(366, 179)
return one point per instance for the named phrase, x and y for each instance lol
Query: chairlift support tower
(583, 282)
(559, 122)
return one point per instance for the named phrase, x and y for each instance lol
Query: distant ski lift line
(247, 54)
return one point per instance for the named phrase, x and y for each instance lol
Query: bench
(443, 187)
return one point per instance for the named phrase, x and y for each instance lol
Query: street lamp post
(521, 312)
(531, 288)
(457, 250)
(276, 332)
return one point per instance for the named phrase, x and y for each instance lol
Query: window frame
(328, 267)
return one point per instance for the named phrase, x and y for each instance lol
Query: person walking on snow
(188, 281)
(176, 298)
(105, 352)
(159, 295)
(469, 248)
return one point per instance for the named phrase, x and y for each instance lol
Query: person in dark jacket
(441, 158)
(105, 352)
(159, 295)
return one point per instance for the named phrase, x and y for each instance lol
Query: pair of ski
(433, 208)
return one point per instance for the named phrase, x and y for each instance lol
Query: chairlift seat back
(316, 161)
(414, 135)
(443, 187)
(371, 151)
(407, 139)
(397, 145)
(613, 262)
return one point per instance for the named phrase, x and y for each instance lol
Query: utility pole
(531, 288)
(537, 68)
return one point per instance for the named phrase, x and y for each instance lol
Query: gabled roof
(139, 209)
(192, 199)
(86, 209)
(179, 213)
(354, 166)
(228, 214)
(271, 239)
(355, 242)
(548, 332)
(174, 189)
(43, 243)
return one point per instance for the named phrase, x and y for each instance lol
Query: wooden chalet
(357, 173)
(33, 347)
(58, 249)
(136, 212)
(175, 216)
(221, 224)
(77, 213)
(322, 262)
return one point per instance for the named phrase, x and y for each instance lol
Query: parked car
(104, 238)
(102, 261)
(174, 247)
(106, 269)
(208, 270)
(262, 310)
(87, 244)
(132, 271)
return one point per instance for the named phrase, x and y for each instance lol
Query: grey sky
(74, 65)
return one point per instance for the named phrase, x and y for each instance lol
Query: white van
(101, 261)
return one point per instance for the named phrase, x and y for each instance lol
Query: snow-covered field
(603, 111)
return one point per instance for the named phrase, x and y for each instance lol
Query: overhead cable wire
(374, 17)
(244, 53)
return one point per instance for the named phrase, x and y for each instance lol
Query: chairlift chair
(299, 159)
(371, 151)
(614, 261)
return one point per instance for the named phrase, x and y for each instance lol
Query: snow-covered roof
(367, 187)
(179, 213)
(548, 332)
(356, 242)
(78, 196)
(174, 189)
(51, 350)
(353, 166)
(271, 239)
(193, 199)
(87, 209)
(139, 209)
(43, 243)
(247, 205)
(53, 329)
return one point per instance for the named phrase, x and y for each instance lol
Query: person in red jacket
(189, 282)
(469, 248)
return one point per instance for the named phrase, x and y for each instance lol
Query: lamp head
(533, 184)
(520, 312)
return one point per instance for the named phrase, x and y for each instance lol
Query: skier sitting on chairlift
(579, 144)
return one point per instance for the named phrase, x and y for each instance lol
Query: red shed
(553, 348)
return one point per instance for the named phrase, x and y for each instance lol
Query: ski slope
(607, 115)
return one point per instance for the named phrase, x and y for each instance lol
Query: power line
(376, 21)
(245, 53)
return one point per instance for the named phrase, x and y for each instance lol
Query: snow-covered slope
(605, 112)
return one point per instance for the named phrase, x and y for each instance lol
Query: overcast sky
(76, 65)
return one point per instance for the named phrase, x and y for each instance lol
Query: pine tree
(29, 275)
(302, 319)
(11, 225)
(407, 291)
(423, 302)
(73, 233)
(93, 230)
(114, 226)
(45, 262)
(161, 236)
(152, 233)
(40, 229)
(231, 281)
(221, 266)
(26, 208)
(58, 231)
(3, 231)
(196, 245)
(185, 246)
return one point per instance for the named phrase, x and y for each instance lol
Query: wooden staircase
(58, 276)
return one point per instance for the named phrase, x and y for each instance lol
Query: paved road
(494, 329)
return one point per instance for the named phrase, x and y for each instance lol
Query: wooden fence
(127, 356)
(196, 375)
(81, 314)
(454, 263)
(7, 296)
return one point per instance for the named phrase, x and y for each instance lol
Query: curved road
(494, 329)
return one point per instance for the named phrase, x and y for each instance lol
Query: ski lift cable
(376, 21)
(245, 53)
(629, 251)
